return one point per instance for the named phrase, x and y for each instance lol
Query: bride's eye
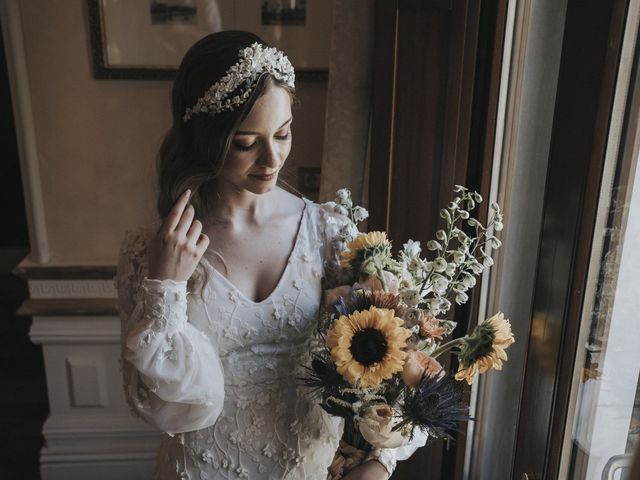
(244, 148)
(283, 137)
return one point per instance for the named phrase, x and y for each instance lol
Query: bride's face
(261, 145)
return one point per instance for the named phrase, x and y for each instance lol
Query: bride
(219, 302)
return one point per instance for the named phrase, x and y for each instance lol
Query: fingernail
(188, 192)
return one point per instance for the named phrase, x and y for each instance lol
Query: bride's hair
(192, 153)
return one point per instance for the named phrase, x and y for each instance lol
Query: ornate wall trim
(71, 289)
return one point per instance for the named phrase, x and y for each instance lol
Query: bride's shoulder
(330, 214)
(326, 216)
(135, 240)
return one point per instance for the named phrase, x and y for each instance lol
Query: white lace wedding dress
(219, 373)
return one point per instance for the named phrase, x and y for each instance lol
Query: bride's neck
(237, 206)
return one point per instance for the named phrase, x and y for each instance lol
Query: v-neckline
(231, 286)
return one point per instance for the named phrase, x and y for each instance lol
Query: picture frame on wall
(146, 39)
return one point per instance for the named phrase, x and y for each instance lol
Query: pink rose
(416, 365)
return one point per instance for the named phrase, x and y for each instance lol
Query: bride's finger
(173, 218)
(185, 221)
(202, 243)
(194, 232)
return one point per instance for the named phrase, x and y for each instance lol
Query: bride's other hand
(370, 470)
(179, 245)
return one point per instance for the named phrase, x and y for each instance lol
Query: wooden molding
(68, 307)
(29, 271)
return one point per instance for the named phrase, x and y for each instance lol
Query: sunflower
(368, 346)
(485, 348)
(365, 251)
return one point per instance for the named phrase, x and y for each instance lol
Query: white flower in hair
(254, 61)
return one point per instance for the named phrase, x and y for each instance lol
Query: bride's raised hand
(178, 246)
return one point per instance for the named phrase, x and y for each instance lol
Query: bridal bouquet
(381, 329)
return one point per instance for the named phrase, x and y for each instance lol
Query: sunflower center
(368, 346)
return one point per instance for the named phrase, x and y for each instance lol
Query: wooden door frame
(466, 136)
(590, 55)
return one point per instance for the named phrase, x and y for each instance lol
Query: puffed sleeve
(172, 373)
(335, 229)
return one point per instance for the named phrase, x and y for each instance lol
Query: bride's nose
(269, 156)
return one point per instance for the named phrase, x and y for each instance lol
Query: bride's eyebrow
(245, 132)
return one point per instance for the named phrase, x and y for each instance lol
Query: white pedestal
(90, 432)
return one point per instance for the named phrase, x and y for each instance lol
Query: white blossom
(433, 245)
(458, 256)
(451, 269)
(411, 248)
(439, 265)
(476, 267)
(343, 196)
(461, 298)
(360, 214)
(410, 297)
(341, 210)
(414, 265)
(487, 261)
(495, 243)
(468, 280)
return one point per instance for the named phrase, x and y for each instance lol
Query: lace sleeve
(171, 371)
(390, 456)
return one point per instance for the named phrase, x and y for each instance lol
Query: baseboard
(98, 447)
(98, 469)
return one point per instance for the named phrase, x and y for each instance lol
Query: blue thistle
(435, 406)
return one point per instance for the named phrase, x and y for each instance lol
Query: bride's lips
(264, 178)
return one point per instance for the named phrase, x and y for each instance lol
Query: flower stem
(448, 346)
(383, 281)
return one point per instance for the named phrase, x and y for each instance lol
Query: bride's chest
(254, 261)
(286, 316)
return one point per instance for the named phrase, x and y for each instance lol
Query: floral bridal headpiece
(252, 63)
